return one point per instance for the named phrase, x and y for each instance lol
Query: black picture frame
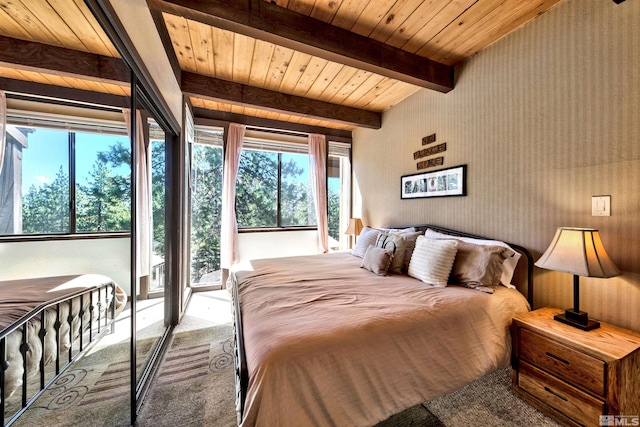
(439, 183)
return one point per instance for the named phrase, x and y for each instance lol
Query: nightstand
(575, 376)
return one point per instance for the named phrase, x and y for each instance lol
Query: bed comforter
(328, 343)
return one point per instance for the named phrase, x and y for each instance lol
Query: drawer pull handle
(559, 359)
(555, 394)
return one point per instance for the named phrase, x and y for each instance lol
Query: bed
(45, 324)
(322, 341)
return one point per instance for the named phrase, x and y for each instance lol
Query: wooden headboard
(522, 277)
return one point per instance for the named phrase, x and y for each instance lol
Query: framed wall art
(440, 183)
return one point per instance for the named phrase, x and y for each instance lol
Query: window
(273, 187)
(339, 193)
(206, 206)
(61, 178)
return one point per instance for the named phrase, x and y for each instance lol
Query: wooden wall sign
(436, 161)
(429, 139)
(430, 151)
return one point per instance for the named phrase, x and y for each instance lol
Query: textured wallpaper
(545, 119)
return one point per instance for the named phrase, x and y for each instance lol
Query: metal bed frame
(240, 363)
(97, 325)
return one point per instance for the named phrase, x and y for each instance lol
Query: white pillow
(432, 260)
(367, 237)
(509, 266)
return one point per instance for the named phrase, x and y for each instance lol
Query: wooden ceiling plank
(341, 94)
(223, 53)
(475, 22)
(313, 70)
(325, 10)
(510, 11)
(298, 32)
(178, 29)
(349, 13)
(36, 56)
(91, 20)
(71, 14)
(296, 69)
(58, 28)
(370, 17)
(32, 25)
(420, 19)
(261, 58)
(244, 47)
(277, 67)
(216, 89)
(373, 99)
(355, 99)
(11, 28)
(202, 48)
(329, 72)
(454, 31)
(393, 19)
(342, 78)
(303, 7)
(508, 25)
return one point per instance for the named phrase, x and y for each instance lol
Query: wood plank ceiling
(446, 32)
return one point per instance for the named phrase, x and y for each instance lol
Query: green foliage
(102, 204)
(45, 209)
(206, 210)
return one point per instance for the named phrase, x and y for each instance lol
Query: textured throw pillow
(432, 260)
(410, 245)
(397, 244)
(366, 238)
(479, 266)
(509, 266)
(377, 260)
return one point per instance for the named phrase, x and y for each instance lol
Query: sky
(48, 150)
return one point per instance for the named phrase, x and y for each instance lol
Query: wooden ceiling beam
(38, 57)
(275, 24)
(202, 116)
(52, 92)
(199, 86)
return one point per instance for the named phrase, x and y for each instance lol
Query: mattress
(329, 343)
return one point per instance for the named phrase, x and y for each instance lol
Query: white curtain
(318, 168)
(229, 231)
(3, 126)
(143, 194)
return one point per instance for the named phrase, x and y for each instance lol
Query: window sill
(275, 229)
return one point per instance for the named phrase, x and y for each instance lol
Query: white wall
(277, 244)
(108, 256)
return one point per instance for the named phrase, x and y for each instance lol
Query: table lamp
(355, 227)
(578, 251)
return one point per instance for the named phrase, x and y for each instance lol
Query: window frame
(72, 125)
(278, 226)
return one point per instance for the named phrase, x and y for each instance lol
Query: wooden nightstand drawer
(573, 366)
(559, 395)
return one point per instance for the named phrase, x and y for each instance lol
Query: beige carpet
(195, 387)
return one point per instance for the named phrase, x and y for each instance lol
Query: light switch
(601, 206)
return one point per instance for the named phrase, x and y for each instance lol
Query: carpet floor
(195, 387)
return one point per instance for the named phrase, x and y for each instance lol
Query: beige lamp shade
(578, 251)
(355, 227)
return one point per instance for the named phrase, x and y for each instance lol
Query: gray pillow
(377, 260)
(479, 266)
(397, 244)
